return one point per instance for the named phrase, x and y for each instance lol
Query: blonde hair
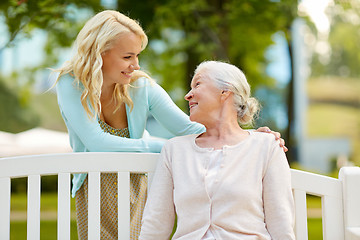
(97, 36)
(230, 78)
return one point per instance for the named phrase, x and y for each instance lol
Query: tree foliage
(191, 31)
(54, 16)
(342, 57)
(21, 17)
(16, 116)
(182, 33)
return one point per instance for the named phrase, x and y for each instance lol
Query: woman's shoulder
(266, 143)
(142, 82)
(140, 85)
(264, 139)
(145, 87)
(66, 77)
(65, 80)
(68, 90)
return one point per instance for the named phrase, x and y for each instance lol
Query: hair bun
(248, 110)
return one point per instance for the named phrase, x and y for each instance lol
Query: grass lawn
(48, 227)
(315, 229)
(314, 224)
(333, 110)
(47, 230)
(48, 202)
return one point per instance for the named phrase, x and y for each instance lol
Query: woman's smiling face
(121, 59)
(204, 99)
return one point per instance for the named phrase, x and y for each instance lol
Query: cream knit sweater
(252, 197)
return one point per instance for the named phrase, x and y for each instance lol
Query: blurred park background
(301, 58)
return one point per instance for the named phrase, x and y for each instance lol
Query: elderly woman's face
(204, 99)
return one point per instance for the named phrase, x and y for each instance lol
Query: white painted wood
(64, 212)
(330, 191)
(5, 193)
(33, 207)
(338, 195)
(316, 184)
(124, 205)
(353, 233)
(94, 206)
(301, 230)
(332, 215)
(52, 164)
(350, 178)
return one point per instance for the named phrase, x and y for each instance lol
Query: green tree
(54, 16)
(185, 33)
(181, 33)
(235, 31)
(344, 41)
(21, 18)
(232, 30)
(344, 59)
(16, 115)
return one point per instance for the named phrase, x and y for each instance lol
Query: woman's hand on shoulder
(276, 134)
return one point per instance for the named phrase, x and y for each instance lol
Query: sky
(316, 11)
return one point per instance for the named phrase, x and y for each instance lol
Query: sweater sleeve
(169, 115)
(159, 213)
(88, 130)
(277, 196)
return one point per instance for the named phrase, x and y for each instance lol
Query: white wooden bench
(340, 198)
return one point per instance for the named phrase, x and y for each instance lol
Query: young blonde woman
(104, 100)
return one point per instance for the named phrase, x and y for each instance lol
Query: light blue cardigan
(86, 134)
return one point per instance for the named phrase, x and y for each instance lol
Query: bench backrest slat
(5, 190)
(94, 205)
(33, 207)
(330, 191)
(124, 205)
(332, 215)
(301, 229)
(350, 177)
(63, 221)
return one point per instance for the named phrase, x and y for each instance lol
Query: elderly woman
(225, 183)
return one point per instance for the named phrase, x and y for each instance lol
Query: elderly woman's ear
(225, 94)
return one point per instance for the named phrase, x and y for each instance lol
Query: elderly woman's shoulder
(263, 138)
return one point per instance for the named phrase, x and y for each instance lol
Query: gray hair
(230, 78)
